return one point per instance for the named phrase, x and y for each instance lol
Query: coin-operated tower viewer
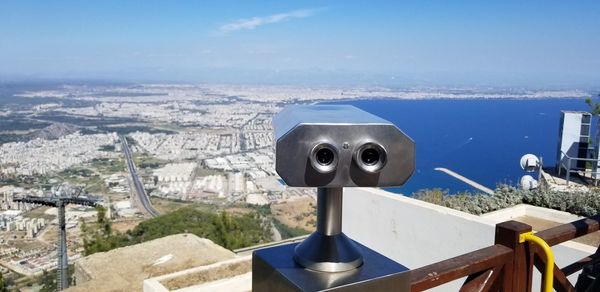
(331, 147)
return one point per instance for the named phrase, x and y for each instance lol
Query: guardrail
(508, 265)
(569, 163)
(486, 269)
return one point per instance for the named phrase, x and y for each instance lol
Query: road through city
(139, 187)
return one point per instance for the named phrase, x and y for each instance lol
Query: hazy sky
(396, 42)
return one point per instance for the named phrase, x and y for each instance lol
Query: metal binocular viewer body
(331, 147)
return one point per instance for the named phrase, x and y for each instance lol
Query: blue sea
(481, 139)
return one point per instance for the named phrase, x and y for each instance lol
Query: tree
(48, 282)
(594, 106)
(100, 236)
(229, 231)
(2, 284)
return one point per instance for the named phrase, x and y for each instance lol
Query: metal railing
(567, 162)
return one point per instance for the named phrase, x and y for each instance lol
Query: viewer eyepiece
(371, 157)
(324, 158)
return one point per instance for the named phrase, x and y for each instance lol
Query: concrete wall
(415, 233)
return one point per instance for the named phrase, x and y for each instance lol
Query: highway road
(139, 187)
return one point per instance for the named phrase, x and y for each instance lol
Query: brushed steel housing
(299, 129)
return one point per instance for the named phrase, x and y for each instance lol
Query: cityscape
(212, 145)
(196, 146)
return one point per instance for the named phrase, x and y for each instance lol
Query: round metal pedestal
(328, 253)
(328, 249)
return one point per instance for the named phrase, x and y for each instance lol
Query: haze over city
(390, 43)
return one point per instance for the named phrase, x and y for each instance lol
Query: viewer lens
(325, 156)
(370, 156)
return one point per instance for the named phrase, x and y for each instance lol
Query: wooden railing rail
(508, 265)
(569, 231)
(491, 260)
(560, 234)
(578, 265)
(560, 283)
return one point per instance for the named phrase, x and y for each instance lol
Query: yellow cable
(549, 272)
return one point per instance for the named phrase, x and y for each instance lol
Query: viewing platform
(441, 246)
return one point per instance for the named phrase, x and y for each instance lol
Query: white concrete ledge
(533, 211)
(231, 282)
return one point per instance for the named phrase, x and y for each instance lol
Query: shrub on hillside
(474, 203)
(229, 231)
(580, 203)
